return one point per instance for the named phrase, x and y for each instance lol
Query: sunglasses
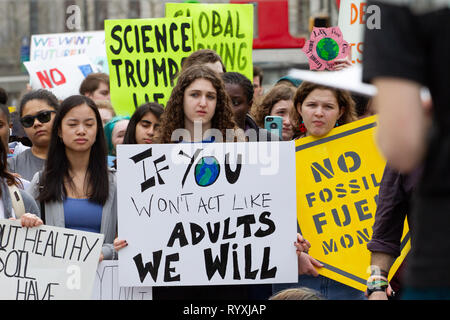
(43, 117)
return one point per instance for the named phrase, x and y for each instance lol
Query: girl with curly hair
(198, 101)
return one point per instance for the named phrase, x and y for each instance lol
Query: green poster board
(144, 55)
(224, 28)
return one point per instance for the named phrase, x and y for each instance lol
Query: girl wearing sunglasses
(76, 189)
(36, 110)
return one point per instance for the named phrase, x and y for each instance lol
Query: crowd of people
(67, 176)
(69, 168)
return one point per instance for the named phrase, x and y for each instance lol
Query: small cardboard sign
(106, 285)
(47, 263)
(324, 46)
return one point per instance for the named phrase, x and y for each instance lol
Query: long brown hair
(343, 98)
(173, 116)
(4, 173)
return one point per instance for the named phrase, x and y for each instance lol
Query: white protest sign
(57, 45)
(352, 23)
(47, 263)
(207, 214)
(62, 76)
(106, 285)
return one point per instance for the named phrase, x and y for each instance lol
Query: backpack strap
(16, 201)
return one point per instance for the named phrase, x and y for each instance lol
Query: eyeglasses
(43, 117)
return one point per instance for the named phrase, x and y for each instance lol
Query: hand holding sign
(30, 220)
(325, 47)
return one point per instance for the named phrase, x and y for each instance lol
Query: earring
(337, 124)
(302, 127)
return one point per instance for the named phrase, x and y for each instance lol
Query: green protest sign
(144, 56)
(224, 28)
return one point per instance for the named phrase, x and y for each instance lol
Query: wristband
(376, 284)
(370, 291)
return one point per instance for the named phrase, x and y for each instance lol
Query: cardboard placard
(144, 56)
(106, 285)
(324, 46)
(224, 28)
(61, 76)
(206, 214)
(47, 263)
(46, 47)
(338, 178)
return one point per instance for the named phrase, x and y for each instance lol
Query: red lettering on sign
(44, 79)
(50, 81)
(355, 13)
(273, 25)
(61, 80)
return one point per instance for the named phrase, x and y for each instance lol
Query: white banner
(106, 285)
(46, 47)
(207, 214)
(47, 263)
(62, 76)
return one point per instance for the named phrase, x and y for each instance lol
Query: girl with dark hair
(75, 188)
(37, 110)
(30, 216)
(241, 90)
(143, 124)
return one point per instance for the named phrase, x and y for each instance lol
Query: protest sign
(324, 46)
(106, 285)
(224, 28)
(354, 17)
(144, 56)
(46, 47)
(47, 263)
(207, 214)
(338, 178)
(62, 76)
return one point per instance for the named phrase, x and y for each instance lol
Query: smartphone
(274, 124)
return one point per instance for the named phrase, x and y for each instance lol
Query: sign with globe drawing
(207, 214)
(324, 46)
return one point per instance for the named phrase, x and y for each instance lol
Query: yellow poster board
(224, 28)
(144, 56)
(338, 178)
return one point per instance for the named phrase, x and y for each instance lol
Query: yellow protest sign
(338, 178)
(224, 28)
(144, 55)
